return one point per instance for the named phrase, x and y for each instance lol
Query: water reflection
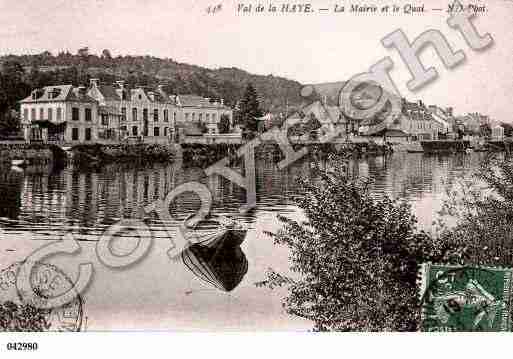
(64, 199)
(10, 192)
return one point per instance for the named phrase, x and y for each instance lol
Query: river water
(41, 204)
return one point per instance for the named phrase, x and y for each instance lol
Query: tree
(14, 70)
(106, 54)
(224, 124)
(483, 205)
(202, 127)
(83, 52)
(10, 123)
(355, 259)
(250, 109)
(12, 89)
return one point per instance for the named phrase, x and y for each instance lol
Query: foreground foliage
(483, 206)
(22, 318)
(356, 257)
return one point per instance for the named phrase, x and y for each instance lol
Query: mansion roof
(109, 93)
(58, 94)
(113, 93)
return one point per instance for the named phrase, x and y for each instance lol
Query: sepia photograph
(255, 167)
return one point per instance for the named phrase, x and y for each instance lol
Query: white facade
(113, 112)
(61, 114)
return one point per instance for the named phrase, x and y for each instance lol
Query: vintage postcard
(255, 166)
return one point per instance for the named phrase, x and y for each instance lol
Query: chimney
(222, 102)
(160, 88)
(151, 95)
(94, 82)
(81, 90)
(121, 84)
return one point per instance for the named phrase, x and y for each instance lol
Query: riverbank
(96, 154)
(30, 153)
(204, 155)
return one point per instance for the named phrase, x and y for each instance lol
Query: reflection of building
(114, 112)
(11, 183)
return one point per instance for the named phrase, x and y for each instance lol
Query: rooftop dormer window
(55, 92)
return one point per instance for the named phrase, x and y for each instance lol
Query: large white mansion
(99, 112)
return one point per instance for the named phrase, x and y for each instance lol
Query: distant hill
(276, 93)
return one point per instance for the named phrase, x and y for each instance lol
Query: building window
(140, 97)
(88, 115)
(166, 115)
(123, 113)
(88, 134)
(74, 114)
(145, 114)
(50, 114)
(105, 120)
(174, 117)
(187, 116)
(193, 116)
(74, 134)
(214, 117)
(134, 114)
(33, 114)
(134, 130)
(207, 117)
(59, 113)
(25, 114)
(156, 115)
(123, 128)
(41, 113)
(165, 131)
(200, 117)
(156, 131)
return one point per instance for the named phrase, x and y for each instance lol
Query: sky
(309, 48)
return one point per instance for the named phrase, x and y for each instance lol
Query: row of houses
(416, 122)
(105, 112)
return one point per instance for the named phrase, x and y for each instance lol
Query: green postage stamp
(465, 299)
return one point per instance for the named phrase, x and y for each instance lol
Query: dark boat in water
(218, 260)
